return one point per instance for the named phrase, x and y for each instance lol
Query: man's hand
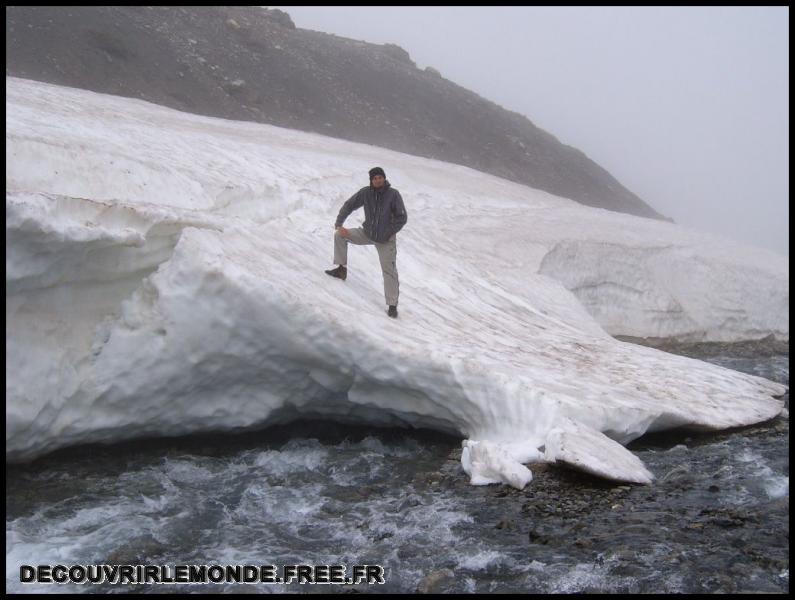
(343, 232)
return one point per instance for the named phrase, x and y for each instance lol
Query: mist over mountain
(252, 63)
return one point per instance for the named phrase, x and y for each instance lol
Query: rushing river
(715, 520)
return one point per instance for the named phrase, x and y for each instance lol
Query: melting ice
(164, 275)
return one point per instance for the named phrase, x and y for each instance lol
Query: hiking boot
(341, 272)
(392, 312)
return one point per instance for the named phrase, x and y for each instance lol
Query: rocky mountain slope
(251, 63)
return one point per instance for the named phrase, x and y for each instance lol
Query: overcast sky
(688, 107)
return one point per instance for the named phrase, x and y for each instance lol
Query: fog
(688, 107)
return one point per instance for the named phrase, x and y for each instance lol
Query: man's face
(378, 181)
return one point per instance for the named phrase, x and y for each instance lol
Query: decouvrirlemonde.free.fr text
(164, 574)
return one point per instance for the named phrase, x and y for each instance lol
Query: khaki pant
(387, 255)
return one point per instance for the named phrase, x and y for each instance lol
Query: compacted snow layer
(164, 275)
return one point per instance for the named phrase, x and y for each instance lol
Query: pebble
(434, 582)
(505, 524)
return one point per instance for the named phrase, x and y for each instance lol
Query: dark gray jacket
(384, 213)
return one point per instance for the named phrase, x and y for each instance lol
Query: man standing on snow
(384, 216)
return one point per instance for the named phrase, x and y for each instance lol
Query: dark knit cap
(377, 171)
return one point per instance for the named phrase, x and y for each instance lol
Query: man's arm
(354, 202)
(400, 216)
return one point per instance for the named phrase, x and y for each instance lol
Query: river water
(715, 520)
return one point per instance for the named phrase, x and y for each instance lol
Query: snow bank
(164, 275)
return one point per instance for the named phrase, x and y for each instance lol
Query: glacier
(164, 276)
